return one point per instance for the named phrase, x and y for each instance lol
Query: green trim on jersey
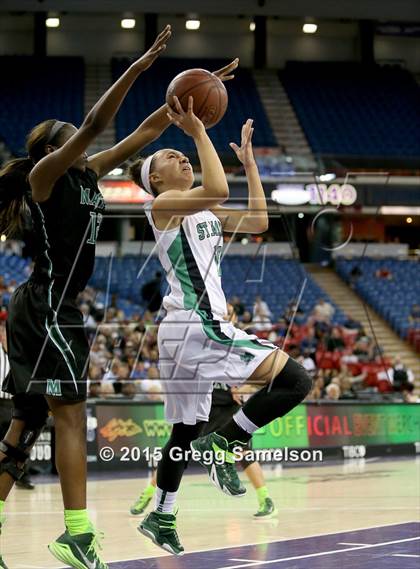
(192, 302)
(53, 329)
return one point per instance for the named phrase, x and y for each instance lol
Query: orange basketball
(209, 93)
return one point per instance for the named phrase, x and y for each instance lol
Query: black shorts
(47, 344)
(219, 416)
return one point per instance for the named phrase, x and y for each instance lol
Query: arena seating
(36, 89)
(149, 93)
(14, 270)
(391, 297)
(350, 109)
(278, 281)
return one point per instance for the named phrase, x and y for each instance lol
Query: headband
(145, 173)
(58, 125)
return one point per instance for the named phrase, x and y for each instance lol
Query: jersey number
(95, 225)
(217, 258)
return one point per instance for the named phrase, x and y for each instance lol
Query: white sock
(242, 421)
(165, 501)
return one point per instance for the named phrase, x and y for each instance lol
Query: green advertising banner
(333, 425)
(140, 426)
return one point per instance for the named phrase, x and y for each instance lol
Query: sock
(2, 504)
(149, 491)
(276, 399)
(165, 501)
(77, 522)
(262, 494)
(239, 428)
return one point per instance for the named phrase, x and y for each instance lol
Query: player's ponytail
(14, 184)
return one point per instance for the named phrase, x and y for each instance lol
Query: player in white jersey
(197, 344)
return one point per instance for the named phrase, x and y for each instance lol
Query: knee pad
(294, 379)
(33, 411)
(14, 462)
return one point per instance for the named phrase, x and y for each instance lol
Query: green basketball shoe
(141, 503)
(78, 551)
(266, 510)
(218, 458)
(161, 529)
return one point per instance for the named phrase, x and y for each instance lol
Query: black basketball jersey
(65, 230)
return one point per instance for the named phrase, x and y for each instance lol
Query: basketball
(209, 93)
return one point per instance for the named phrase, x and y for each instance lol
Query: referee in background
(6, 405)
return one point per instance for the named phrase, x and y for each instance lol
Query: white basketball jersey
(190, 255)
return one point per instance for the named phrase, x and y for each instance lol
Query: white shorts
(193, 355)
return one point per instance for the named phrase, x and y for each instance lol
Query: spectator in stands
(355, 274)
(335, 341)
(3, 309)
(384, 273)
(308, 363)
(99, 353)
(315, 394)
(351, 324)
(139, 371)
(323, 311)
(152, 386)
(90, 323)
(408, 394)
(364, 349)
(238, 306)
(246, 321)
(415, 314)
(281, 328)
(309, 344)
(347, 390)
(294, 313)
(346, 376)
(261, 316)
(399, 375)
(332, 392)
(151, 294)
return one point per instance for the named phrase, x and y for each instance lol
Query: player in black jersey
(48, 348)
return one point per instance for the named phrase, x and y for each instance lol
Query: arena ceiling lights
(52, 21)
(293, 194)
(128, 21)
(192, 22)
(309, 27)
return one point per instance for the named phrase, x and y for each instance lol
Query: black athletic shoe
(25, 483)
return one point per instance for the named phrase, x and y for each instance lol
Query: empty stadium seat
(148, 93)
(350, 109)
(393, 298)
(36, 89)
(277, 280)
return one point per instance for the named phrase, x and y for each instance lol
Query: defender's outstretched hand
(244, 152)
(186, 120)
(157, 48)
(225, 73)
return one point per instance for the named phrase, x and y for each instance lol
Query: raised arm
(214, 189)
(47, 171)
(149, 130)
(255, 218)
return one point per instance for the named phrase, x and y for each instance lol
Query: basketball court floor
(351, 515)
